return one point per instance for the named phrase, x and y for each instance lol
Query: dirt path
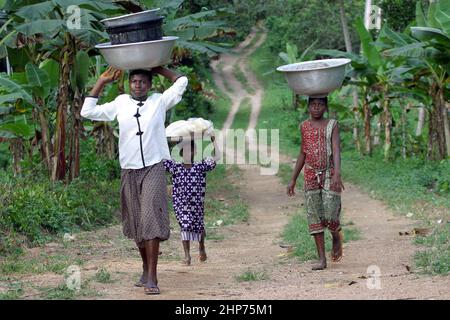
(254, 245)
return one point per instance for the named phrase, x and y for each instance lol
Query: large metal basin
(131, 18)
(139, 55)
(315, 78)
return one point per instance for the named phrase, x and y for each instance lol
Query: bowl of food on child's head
(139, 55)
(317, 77)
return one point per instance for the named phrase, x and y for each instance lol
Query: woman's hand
(336, 181)
(111, 74)
(291, 188)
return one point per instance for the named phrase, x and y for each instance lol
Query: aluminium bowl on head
(138, 55)
(315, 78)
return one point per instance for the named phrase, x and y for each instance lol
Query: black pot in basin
(136, 32)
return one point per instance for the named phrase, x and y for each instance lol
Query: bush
(33, 209)
(40, 209)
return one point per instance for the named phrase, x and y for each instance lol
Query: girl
(320, 154)
(188, 195)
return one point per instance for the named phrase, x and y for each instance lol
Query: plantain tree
(62, 31)
(428, 57)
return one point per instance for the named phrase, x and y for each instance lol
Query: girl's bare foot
(320, 266)
(187, 261)
(336, 253)
(202, 256)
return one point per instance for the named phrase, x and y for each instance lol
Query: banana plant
(56, 30)
(428, 57)
(195, 31)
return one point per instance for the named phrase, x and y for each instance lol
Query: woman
(142, 148)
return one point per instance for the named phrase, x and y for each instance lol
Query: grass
(412, 186)
(221, 109)
(225, 83)
(103, 276)
(243, 115)
(240, 76)
(14, 291)
(63, 292)
(24, 264)
(435, 259)
(253, 41)
(419, 185)
(252, 275)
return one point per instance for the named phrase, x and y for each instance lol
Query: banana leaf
(442, 15)
(18, 129)
(431, 34)
(38, 79)
(369, 50)
(36, 11)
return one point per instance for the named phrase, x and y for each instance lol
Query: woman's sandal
(151, 290)
(139, 284)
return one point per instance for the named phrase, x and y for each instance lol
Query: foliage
(398, 14)
(302, 22)
(435, 259)
(252, 275)
(34, 207)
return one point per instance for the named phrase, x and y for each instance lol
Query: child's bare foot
(320, 266)
(202, 252)
(202, 256)
(187, 261)
(336, 253)
(201, 248)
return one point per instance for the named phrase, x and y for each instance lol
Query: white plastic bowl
(315, 78)
(139, 55)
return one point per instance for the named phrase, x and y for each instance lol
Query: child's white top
(138, 150)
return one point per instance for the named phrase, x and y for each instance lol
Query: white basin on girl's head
(138, 55)
(315, 78)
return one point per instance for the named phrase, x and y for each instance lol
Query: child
(188, 195)
(320, 154)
